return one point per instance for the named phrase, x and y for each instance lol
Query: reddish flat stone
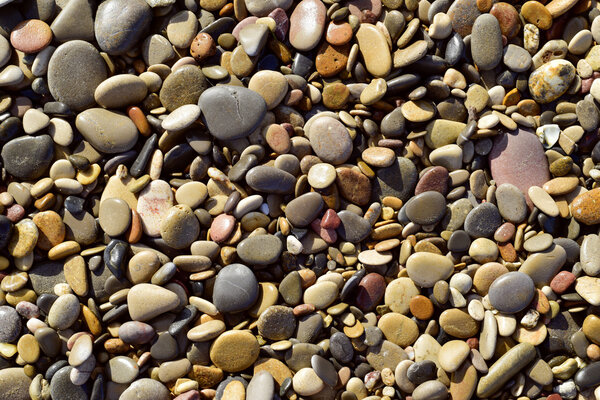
(31, 36)
(505, 232)
(338, 33)
(370, 291)
(435, 179)
(518, 157)
(330, 220)
(282, 23)
(191, 395)
(562, 281)
(508, 17)
(15, 213)
(354, 186)
(585, 207)
(221, 227)
(328, 235)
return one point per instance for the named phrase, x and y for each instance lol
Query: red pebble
(328, 235)
(15, 213)
(370, 291)
(191, 395)
(473, 343)
(330, 220)
(554, 396)
(561, 282)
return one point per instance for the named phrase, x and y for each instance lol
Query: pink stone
(518, 157)
(357, 6)
(435, 179)
(27, 309)
(330, 220)
(328, 235)
(504, 232)
(282, 23)
(307, 24)
(370, 291)
(242, 24)
(15, 213)
(586, 84)
(190, 395)
(561, 282)
(153, 203)
(221, 227)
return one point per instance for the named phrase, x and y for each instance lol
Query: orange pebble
(421, 307)
(139, 119)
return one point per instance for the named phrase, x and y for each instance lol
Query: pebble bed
(314, 199)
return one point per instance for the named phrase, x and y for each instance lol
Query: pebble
(107, 131)
(119, 25)
(236, 289)
(425, 269)
(250, 109)
(146, 301)
(517, 283)
(76, 61)
(486, 45)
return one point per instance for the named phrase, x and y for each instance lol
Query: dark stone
(139, 165)
(28, 157)
(185, 316)
(61, 386)
(121, 24)
(588, 377)
(235, 288)
(353, 228)
(421, 371)
(10, 128)
(114, 256)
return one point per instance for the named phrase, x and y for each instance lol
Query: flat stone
(426, 208)
(458, 323)
(107, 131)
(453, 354)
(330, 140)
(270, 180)
(64, 312)
(430, 390)
(145, 388)
(543, 266)
(397, 180)
(583, 207)
(398, 329)
(353, 228)
(486, 42)
(179, 227)
(301, 211)
(374, 49)
(14, 383)
(587, 287)
(10, 326)
(260, 249)
(505, 368)
(398, 294)
(518, 158)
(511, 203)
(353, 185)
(121, 24)
(120, 90)
(235, 289)
(435, 179)
(146, 301)
(183, 86)
(28, 158)
(483, 220)
(250, 110)
(76, 61)
(425, 269)
(307, 24)
(62, 387)
(75, 21)
(114, 216)
(234, 351)
(154, 202)
(519, 285)
(277, 323)
(271, 85)
(551, 80)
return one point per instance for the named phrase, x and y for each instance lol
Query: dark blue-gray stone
(235, 289)
(121, 24)
(511, 292)
(231, 112)
(28, 157)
